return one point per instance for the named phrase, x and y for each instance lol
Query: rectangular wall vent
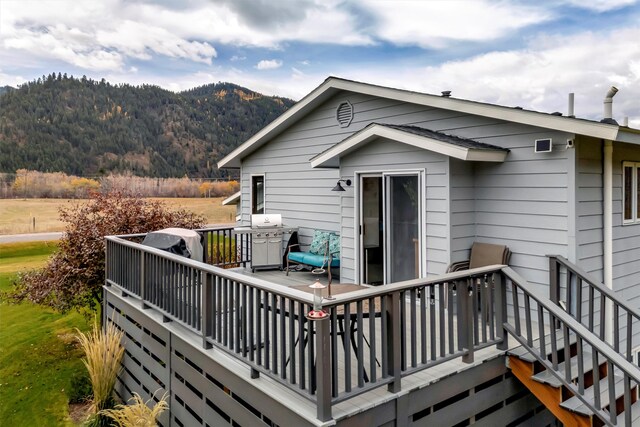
(543, 145)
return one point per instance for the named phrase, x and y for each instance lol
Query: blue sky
(530, 54)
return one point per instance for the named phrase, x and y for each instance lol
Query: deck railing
(373, 337)
(225, 248)
(560, 335)
(594, 305)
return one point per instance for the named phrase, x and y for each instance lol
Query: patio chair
(322, 256)
(482, 255)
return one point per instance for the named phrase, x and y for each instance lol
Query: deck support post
(206, 312)
(501, 311)
(323, 370)
(466, 311)
(393, 342)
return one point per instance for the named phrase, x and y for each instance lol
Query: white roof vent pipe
(570, 112)
(608, 106)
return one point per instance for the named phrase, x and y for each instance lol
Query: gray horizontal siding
(523, 202)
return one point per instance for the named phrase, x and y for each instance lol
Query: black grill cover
(179, 241)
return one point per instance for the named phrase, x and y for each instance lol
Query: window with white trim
(630, 189)
(257, 194)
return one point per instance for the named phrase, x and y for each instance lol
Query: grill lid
(266, 221)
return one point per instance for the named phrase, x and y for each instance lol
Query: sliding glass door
(390, 227)
(403, 218)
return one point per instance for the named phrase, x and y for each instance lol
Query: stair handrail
(567, 322)
(606, 294)
(587, 277)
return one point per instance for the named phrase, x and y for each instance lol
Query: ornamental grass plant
(103, 355)
(138, 413)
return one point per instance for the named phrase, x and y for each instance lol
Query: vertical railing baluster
(541, 333)
(372, 340)
(207, 312)
(453, 296)
(516, 307)
(261, 307)
(603, 303)
(425, 293)
(283, 338)
(360, 344)
(579, 298)
(554, 280)
(302, 341)
(613, 416)
(413, 328)
(219, 307)
(616, 327)
(591, 307)
(384, 335)
(629, 337)
(274, 331)
(580, 357)
(466, 319)
(292, 340)
(403, 331)
(432, 321)
(444, 297)
(236, 317)
(347, 346)
(627, 400)
(553, 341)
(334, 351)
(527, 316)
(253, 307)
(567, 353)
(243, 321)
(596, 377)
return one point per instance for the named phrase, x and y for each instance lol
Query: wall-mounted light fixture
(339, 187)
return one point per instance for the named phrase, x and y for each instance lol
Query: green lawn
(38, 353)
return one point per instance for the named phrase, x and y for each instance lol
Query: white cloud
(435, 23)
(537, 77)
(269, 64)
(235, 58)
(600, 5)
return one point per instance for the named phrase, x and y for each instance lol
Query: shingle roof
(440, 136)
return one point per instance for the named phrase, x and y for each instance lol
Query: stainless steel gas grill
(266, 240)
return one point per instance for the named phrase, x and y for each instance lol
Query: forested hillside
(85, 127)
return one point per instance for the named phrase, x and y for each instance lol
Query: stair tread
(522, 353)
(575, 404)
(547, 377)
(635, 414)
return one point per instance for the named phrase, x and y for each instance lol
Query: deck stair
(582, 378)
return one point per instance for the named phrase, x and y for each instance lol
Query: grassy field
(17, 215)
(38, 353)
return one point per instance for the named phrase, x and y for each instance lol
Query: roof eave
(333, 84)
(330, 158)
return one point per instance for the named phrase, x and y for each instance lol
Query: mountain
(4, 89)
(87, 127)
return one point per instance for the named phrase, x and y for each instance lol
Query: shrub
(73, 276)
(138, 413)
(103, 354)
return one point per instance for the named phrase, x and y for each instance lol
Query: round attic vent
(344, 114)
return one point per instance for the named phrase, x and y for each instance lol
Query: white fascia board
(330, 158)
(532, 118)
(317, 96)
(233, 199)
(631, 136)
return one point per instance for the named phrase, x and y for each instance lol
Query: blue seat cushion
(314, 260)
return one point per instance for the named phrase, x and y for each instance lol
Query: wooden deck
(193, 326)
